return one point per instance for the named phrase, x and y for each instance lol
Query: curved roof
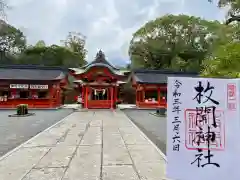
(81, 71)
(100, 59)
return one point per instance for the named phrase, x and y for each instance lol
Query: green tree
(53, 55)
(224, 62)
(3, 6)
(233, 9)
(12, 40)
(174, 42)
(75, 42)
(233, 4)
(40, 43)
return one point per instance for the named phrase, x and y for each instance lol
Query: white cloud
(108, 24)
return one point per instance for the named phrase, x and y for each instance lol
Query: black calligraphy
(205, 123)
(176, 109)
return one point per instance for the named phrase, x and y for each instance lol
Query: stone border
(25, 115)
(157, 115)
(34, 137)
(149, 140)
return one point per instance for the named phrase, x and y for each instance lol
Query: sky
(107, 24)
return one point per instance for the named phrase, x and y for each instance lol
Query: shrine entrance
(100, 97)
(99, 93)
(98, 83)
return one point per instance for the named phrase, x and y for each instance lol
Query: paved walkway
(100, 145)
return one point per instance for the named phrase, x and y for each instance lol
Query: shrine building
(99, 82)
(37, 86)
(151, 86)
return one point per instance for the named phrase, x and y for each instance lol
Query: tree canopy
(174, 42)
(12, 40)
(224, 62)
(53, 55)
(14, 49)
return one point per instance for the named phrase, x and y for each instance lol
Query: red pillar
(159, 97)
(115, 93)
(82, 93)
(112, 97)
(137, 94)
(86, 97)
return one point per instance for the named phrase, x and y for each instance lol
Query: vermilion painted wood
(53, 100)
(92, 75)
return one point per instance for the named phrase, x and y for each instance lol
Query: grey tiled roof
(31, 73)
(100, 59)
(157, 76)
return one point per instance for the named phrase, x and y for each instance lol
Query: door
(99, 97)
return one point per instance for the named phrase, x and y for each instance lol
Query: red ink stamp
(194, 139)
(231, 97)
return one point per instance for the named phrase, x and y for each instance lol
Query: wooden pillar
(159, 97)
(115, 93)
(144, 93)
(112, 97)
(86, 97)
(137, 96)
(83, 97)
(136, 92)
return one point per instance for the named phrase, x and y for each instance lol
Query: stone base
(158, 115)
(25, 115)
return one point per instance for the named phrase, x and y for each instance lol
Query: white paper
(226, 146)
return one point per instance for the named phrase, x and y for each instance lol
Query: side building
(151, 86)
(37, 86)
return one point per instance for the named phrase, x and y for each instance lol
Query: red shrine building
(151, 87)
(37, 86)
(98, 83)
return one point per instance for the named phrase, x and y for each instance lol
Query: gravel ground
(154, 127)
(14, 131)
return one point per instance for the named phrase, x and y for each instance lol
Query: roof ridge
(39, 67)
(100, 58)
(161, 71)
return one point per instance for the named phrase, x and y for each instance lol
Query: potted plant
(22, 109)
(161, 111)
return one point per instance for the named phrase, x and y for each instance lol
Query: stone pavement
(91, 145)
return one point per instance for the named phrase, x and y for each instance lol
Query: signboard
(19, 86)
(38, 86)
(203, 129)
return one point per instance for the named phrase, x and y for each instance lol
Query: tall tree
(233, 9)
(224, 62)
(12, 40)
(75, 42)
(53, 55)
(40, 43)
(233, 4)
(3, 6)
(173, 42)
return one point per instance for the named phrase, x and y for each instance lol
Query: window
(163, 94)
(151, 94)
(4, 93)
(42, 94)
(24, 94)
